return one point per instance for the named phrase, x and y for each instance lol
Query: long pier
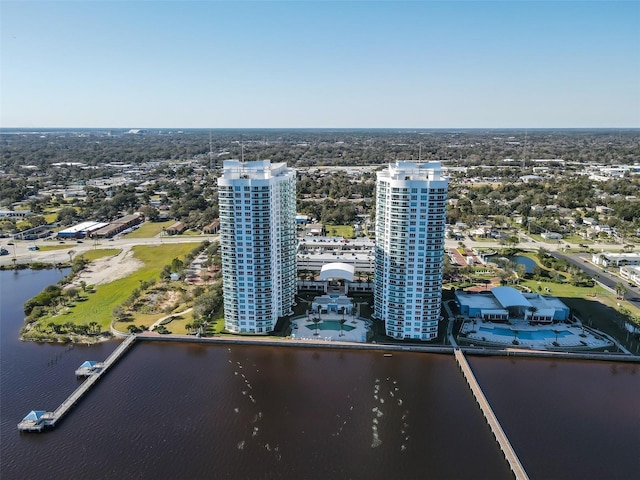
(50, 419)
(494, 424)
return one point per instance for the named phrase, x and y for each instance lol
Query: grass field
(150, 229)
(92, 255)
(50, 217)
(50, 248)
(345, 231)
(99, 305)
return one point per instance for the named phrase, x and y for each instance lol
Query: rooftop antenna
(524, 150)
(210, 151)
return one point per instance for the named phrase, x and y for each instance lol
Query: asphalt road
(631, 295)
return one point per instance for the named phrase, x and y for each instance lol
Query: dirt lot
(108, 269)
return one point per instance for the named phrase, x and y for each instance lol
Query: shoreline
(285, 342)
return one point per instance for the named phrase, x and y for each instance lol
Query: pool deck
(569, 336)
(304, 328)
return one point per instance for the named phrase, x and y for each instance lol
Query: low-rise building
(631, 273)
(212, 228)
(503, 303)
(81, 230)
(118, 226)
(176, 229)
(607, 259)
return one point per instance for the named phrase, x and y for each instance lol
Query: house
(551, 235)
(212, 228)
(176, 229)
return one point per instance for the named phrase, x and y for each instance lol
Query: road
(582, 261)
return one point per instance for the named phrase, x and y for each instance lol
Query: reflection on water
(199, 411)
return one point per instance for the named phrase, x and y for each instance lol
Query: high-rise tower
(258, 242)
(410, 218)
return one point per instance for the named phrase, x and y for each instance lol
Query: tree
(620, 290)
(72, 292)
(67, 215)
(119, 314)
(150, 213)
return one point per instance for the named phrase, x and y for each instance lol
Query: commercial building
(502, 304)
(608, 259)
(118, 226)
(410, 226)
(81, 230)
(258, 241)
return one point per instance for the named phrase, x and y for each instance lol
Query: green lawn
(345, 231)
(191, 232)
(150, 229)
(49, 248)
(92, 255)
(50, 217)
(100, 304)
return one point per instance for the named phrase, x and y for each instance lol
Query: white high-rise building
(258, 242)
(410, 219)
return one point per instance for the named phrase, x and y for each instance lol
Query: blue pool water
(526, 335)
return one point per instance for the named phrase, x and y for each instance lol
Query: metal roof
(510, 297)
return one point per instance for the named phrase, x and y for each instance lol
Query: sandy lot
(108, 269)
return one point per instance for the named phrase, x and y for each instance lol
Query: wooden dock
(494, 424)
(50, 419)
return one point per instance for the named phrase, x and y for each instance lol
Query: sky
(319, 64)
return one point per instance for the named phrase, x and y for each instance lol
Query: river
(202, 411)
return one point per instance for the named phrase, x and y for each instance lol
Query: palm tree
(316, 320)
(620, 290)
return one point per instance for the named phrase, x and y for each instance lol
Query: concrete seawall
(283, 342)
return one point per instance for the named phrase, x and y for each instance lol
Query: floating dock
(494, 424)
(40, 420)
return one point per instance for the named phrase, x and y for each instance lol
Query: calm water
(190, 411)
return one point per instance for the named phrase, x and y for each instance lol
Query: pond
(529, 264)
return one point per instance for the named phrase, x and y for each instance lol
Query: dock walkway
(494, 424)
(50, 419)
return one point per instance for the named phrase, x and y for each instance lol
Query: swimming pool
(329, 325)
(526, 334)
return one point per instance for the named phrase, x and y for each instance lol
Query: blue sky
(296, 64)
